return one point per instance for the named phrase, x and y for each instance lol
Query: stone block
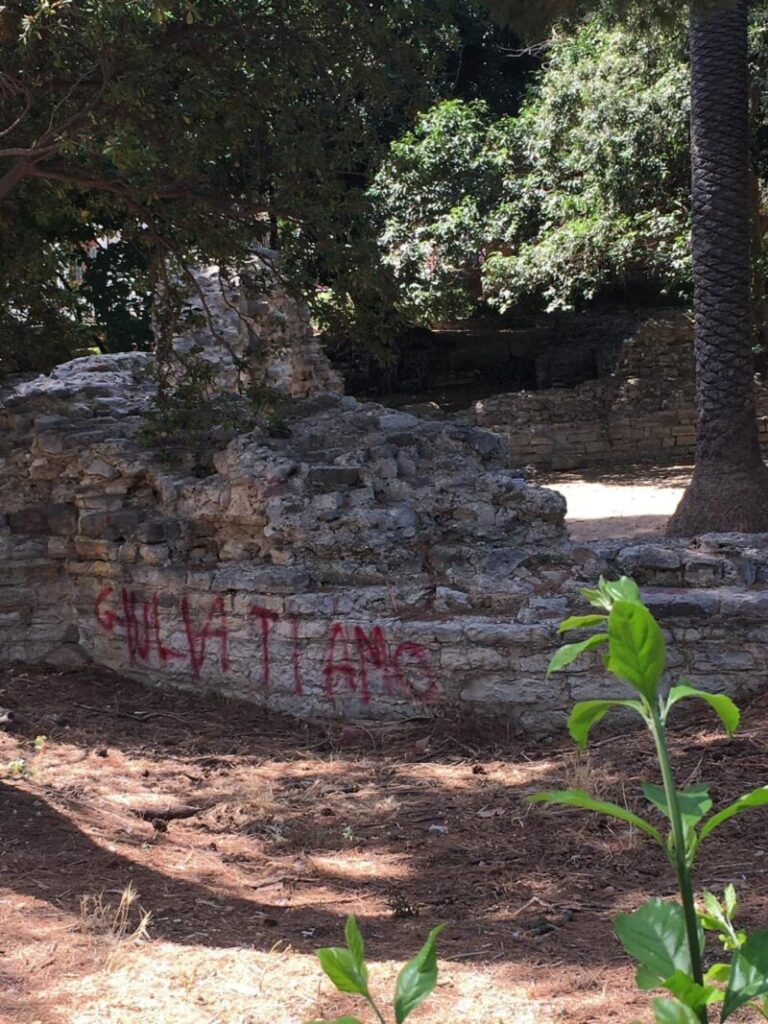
(114, 524)
(62, 519)
(157, 531)
(748, 605)
(648, 556)
(682, 604)
(30, 521)
(330, 478)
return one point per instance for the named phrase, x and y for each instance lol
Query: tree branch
(176, 190)
(12, 177)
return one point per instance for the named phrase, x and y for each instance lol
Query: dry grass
(121, 925)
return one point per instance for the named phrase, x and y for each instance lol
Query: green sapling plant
(347, 969)
(666, 937)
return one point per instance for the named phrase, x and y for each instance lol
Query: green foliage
(722, 705)
(172, 127)
(586, 189)
(604, 142)
(438, 190)
(636, 650)
(418, 978)
(346, 967)
(580, 798)
(655, 936)
(667, 938)
(191, 417)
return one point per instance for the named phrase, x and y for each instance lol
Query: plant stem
(376, 1010)
(681, 865)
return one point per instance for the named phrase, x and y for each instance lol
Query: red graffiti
(165, 654)
(143, 630)
(371, 649)
(336, 665)
(373, 652)
(138, 642)
(197, 638)
(420, 656)
(267, 618)
(357, 659)
(105, 616)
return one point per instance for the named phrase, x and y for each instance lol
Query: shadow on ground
(242, 829)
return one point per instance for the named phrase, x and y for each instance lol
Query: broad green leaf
(670, 1011)
(749, 973)
(712, 924)
(597, 598)
(610, 591)
(718, 972)
(355, 945)
(342, 968)
(694, 802)
(622, 589)
(715, 917)
(646, 980)
(581, 622)
(636, 651)
(756, 798)
(689, 992)
(580, 798)
(417, 979)
(587, 713)
(731, 900)
(655, 936)
(724, 707)
(570, 652)
(336, 1020)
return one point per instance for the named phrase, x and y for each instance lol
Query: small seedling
(18, 769)
(664, 936)
(347, 969)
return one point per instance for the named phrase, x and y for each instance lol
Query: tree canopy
(585, 189)
(186, 129)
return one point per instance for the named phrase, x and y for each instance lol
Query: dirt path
(629, 504)
(249, 839)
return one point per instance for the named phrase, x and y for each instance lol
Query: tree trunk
(729, 489)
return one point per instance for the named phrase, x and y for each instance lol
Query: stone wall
(251, 330)
(370, 565)
(645, 411)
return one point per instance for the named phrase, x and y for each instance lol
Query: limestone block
(648, 556)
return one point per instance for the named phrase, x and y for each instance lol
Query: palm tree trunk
(729, 489)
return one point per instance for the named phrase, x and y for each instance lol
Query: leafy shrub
(584, 190)
(664, 936)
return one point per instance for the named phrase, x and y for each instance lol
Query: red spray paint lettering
(143, 630)
(337, 661)
(197, 638)
(267, 618)
(357, 659)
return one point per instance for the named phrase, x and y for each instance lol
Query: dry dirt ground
(249, 838)
(630, 503)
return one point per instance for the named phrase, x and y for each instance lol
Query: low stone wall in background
(372, 564)
(645, 411)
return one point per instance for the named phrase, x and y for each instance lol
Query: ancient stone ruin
(644, 410)
(370, 564)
